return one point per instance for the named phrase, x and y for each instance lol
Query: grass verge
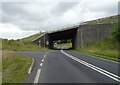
(15, 67)
(105, 48)
(24, 44)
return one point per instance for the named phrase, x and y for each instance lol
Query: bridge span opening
(62, 36)
(63, 44)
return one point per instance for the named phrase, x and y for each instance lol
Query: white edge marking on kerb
(30, 69)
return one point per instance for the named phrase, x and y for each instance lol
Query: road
(66, 66)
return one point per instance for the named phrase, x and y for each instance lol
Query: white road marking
(98, 69)
(37, 76)
(99, 58)
(42, 60)
(30, 69)
(41, 64)
(39, 70)
(45, 55)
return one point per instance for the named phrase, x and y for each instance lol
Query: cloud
(46, 16)
(10, 31)
(63, 7)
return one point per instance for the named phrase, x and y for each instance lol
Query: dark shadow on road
(62, 48)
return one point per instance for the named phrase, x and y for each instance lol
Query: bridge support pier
(50, 44)
(77, 39)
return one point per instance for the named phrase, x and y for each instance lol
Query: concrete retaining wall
(87, 34)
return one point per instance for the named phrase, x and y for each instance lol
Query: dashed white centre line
(41, 64)
(39, 70)
(37, 76)
(42, 60)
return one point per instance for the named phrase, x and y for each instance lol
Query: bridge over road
(81, 35)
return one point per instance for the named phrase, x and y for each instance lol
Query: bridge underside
(62, 35)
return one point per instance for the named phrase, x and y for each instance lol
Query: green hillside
(32, 37)
(24, 44)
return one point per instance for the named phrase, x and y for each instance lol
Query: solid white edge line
(78, 60)
(30, 69)
(37, 76)
(92, 66)
(98, 57)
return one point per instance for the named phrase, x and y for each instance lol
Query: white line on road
(45, 55)
(102, 71)
(37, 76)
(98, 58)
(42, 60)
(39, 70)
(41, 64)
(30, 69)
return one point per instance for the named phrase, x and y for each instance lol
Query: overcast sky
(21, 19)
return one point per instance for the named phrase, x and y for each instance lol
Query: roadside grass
(21, 46)
(0, 68)
(105, 48)
(24, 44)
(0, 44)
(14, 67)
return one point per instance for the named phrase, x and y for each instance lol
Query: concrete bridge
(81, 35)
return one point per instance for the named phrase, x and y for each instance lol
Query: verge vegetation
(14, 67)
(105, 48)
(24, 44)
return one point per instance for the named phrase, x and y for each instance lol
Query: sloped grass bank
(105, 48)
(14, 67)
(17, 45)
(24, 44)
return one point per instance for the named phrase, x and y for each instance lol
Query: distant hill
(32, 37)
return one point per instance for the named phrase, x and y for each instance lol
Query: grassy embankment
(105, 48)
(24, 44)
